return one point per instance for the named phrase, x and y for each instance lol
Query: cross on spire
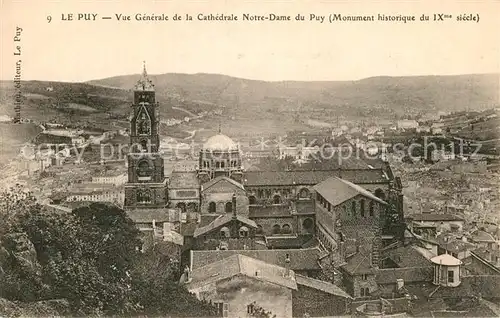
(144, 83)
(144, 72)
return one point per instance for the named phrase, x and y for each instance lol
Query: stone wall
(317, 303)
(353, 284)
(240, 291)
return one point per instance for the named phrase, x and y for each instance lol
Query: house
(484, 239)
(303, 261)
(79, 140)
(446, 222)
(115, 178)
(424, 129)
(316, 298)
(229, 231)
(238, 283)
(458, 247)
(436, 130)
(407, 124)
(446, 270)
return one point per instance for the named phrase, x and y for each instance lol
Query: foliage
(91, 257)
(259, 312)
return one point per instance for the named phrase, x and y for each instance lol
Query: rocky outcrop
(22, 252)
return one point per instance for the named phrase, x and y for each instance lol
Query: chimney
(234, 205)
(287, 265)
(400, 283)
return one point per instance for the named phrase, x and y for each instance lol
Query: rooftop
(486, 286)
(220, 142)
(240, 264)
(407, 274)
(337, 191)
(434, 217)
(300, 259)
(482, 236)
(214, 181)
(268, 178)
(144, 215)
(321, 285)
(446, 259)
(221, 220)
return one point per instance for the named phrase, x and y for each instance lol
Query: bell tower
(146, 186)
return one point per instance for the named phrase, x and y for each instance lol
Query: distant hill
(83, 103)
(381, 96)
(104, 102)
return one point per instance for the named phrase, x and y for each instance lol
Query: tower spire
(144, 83)
(144, 72)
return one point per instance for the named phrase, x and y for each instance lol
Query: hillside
(84, 104)
(382, 96)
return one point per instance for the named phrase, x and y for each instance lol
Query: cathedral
(224, 208)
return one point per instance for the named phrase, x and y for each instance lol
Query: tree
(91, 257)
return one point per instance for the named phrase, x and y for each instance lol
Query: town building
(407, 124)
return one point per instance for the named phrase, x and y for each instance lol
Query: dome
(220, 142)
(446, 259)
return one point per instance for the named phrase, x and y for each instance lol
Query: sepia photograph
(249, 159)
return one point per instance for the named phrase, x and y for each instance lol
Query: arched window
(362, 207)
(143, 125)
(181, 206)
(143, 196)
(304, 193)
(276, 229)
(308, 225)
(217, 164)
(229, 207)
(243, 231)
(268, 193)
(276, 199)
(222, 164)
(252, 200)
(260, 193)
(379, 193)
(212, 207)
(372, 208)
(224, 232)
(143, 169)
(286, 229)
(353, 208)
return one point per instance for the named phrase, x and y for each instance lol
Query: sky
(280, 50)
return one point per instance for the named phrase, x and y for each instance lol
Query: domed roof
(220, 142)
(446, 259)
